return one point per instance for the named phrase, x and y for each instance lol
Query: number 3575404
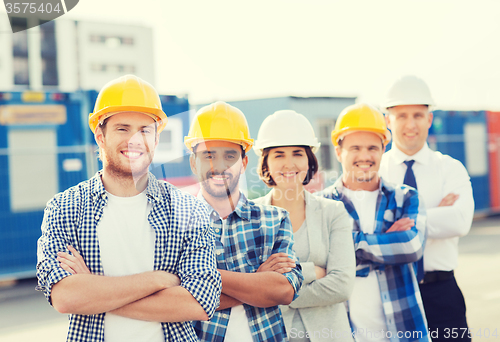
(31, 7)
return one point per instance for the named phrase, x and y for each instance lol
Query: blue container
(45, 133)
(463, 136)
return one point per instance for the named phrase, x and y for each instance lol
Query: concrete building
(68, 55)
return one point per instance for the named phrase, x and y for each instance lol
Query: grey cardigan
(321, 302)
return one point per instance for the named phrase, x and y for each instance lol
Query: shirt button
(217, 230)
(260, 257)
(224, 315)
(218, 252)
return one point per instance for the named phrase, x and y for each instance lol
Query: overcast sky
(233, 49)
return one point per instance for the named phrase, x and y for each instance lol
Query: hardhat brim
(258, 149)
(336, 136)
(407, 103)
(192, 142)
(157, 115)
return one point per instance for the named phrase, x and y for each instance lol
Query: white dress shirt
(436, 175)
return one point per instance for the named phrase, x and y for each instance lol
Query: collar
(421, 157)
(96, 187)
(242, 209)
(98, 190)
(383, 186)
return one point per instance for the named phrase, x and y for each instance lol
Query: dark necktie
(411, 181)
(409, 175)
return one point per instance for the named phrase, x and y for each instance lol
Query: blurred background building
(69, 55)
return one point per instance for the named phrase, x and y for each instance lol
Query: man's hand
(320, 272)
(401, 225)
(278, 262)
(75, 264)
(448, 200)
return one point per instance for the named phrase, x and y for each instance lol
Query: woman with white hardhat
(322, 229)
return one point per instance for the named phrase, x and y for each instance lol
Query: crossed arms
(402, 243)
(154, 296)
(453, 216)
(157, 296)
(276, 281)
(150, 296)
(264, 288)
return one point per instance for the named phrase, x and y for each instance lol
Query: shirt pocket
(219, 255)
(253, 259)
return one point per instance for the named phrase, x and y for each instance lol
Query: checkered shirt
(253, 233)
(184, 246)
(392, 255)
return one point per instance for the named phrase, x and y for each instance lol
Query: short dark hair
(263, 168)
(341, 142)
(104, 124)
(242, 150)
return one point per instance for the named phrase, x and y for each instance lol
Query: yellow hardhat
(128, 93)
(360, 117)
(219, 121)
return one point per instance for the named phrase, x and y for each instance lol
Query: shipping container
(493, 124)
(43, 150)
(464, 136)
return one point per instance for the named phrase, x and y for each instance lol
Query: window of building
(21, 71)
(20, 51)
(49, 54)
(476, 154)
(112, 68)
(30, 150)
(170, 147)
(111, 41)
(327, 159)
(166, 140)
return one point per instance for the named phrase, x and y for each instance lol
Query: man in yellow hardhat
(444, 184)
(388, 232)
(253, 242)
(130, 258)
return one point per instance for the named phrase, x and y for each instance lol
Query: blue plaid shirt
(253, 233)
(184, 246)
(392, 255)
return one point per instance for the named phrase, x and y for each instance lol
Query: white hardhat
(408, 90)
(285, 128)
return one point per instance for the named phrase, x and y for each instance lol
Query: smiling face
(410, 127)
(127, 143)
(288, 166)
(360, 154)
(218, 166)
